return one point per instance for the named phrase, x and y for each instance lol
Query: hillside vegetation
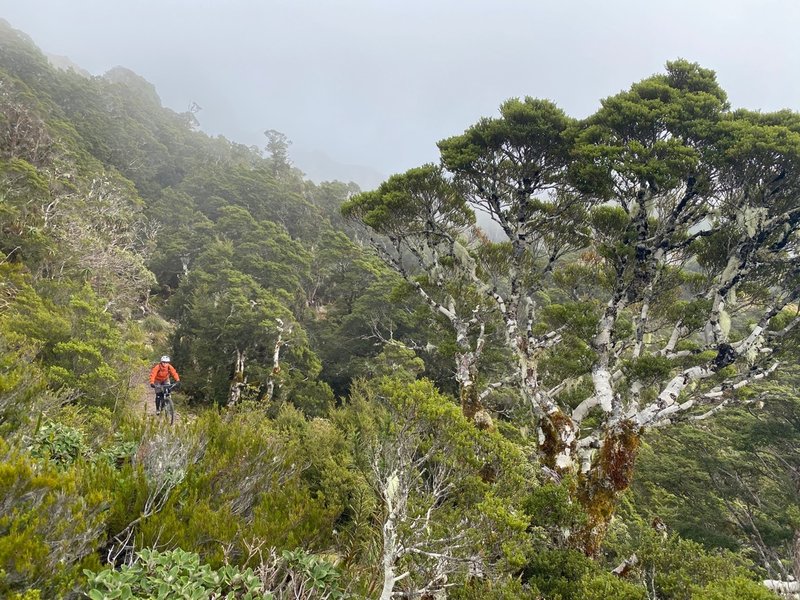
(377, 400)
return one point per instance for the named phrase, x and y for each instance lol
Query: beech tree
(440, 522)
(648, 252)
(421, 215)
(228, 326)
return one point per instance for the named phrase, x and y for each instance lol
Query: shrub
(556, 572)
(497, 589)
(173, 574)
(180, 574)
(48, 530)
(606, 586)
(738, 587)
(59, 443)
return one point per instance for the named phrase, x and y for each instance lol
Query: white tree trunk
(238, 380)
(276, 362)
(389, 557)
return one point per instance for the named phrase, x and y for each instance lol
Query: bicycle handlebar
(166, 387)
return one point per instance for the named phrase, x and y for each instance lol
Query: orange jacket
(163, 371)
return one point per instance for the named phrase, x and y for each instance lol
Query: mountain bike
(167, 409)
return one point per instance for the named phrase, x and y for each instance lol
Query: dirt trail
(143, 397)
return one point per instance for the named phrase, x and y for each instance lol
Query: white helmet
(165, 358)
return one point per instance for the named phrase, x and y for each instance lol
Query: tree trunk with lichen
(557, 440)
(598, 488)
(467, 372)
(609, 476)
(467, 375)
(237, 379)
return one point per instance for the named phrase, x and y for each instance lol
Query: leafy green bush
(49, 527)
(606, 586)
(739, 588)
(118, 451)
(551, 510)
(673, 568)
(496, 589)
(177, 574)
(59, 443)
(556, 573)
(80, 347)
(21, 380)
(321, 575)
(249, 478)
(173, 574)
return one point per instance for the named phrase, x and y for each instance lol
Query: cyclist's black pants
(159, 400)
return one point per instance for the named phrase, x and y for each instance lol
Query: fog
(366, 88)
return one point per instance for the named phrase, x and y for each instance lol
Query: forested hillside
(377, 399)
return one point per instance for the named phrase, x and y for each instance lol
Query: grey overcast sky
(379, 82)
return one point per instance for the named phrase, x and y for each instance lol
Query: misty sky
(378, 83)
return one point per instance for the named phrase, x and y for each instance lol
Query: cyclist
(160, 374)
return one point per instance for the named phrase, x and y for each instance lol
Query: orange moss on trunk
(470, 403)
(610, 475)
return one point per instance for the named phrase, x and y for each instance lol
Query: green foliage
(648, 369)
(738, 587)
(174, 574)
(555, 573)
(621, 140)
(264, 250)
(406, 204)
(118, 451)
(322, 576)
(27, 595)
(253, 480)
(180, 574)
(48, 529)
(692, 313)
(81, 347)
(537, 125)
(605, 586)
(551, 509)
(673, 568)
(572, 360)
(59, 443)
(21, 185)
(346, 336)
(107, 185)
(496, 588)
(579, 317)
(405, 436)
(609, 221)
(223, 311)
(681, 566)
(398, 361)
(735, 474)
(22, 383)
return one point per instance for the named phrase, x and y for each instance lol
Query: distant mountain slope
(64, 63)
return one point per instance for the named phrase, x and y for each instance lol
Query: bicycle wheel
(168, 409)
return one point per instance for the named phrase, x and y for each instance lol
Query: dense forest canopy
(377, 398)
